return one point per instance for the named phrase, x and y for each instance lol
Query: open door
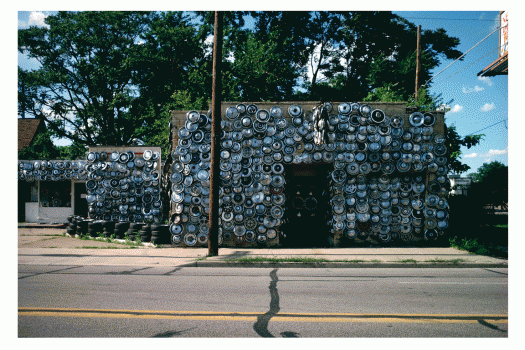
(81, 207)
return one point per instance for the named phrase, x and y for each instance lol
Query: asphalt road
(131, 301)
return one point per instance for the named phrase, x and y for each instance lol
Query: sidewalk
(48, 246)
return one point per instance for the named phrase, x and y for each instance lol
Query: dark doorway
(307, 205)
(81, 207)
(24, 195)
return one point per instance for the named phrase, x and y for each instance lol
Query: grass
(445, 261)
(473, 246)
(112, 239)
(95, 247)
(408, 261)
(260, 259)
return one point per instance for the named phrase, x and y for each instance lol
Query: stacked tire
(134, 229)
(120, 229)
(71, 227)
(160, 234)
(94, 228)
(145, 233)
(108, 228)
(82, 226)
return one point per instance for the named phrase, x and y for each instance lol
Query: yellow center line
(253, 316)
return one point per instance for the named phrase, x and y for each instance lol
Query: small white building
(459, 185)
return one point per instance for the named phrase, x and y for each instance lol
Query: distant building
(28, 128)
(500, 66)
(459, 185)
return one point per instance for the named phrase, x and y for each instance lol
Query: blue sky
(477, 103)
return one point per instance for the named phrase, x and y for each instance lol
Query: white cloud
(491, 153)
(497, 152)
(486, 80)
(474, 89)
(456, 108)
(487, 107)
(36, 18)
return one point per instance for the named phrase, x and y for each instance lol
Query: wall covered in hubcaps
(386, 181)
(122, 183)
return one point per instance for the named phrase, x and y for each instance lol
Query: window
(34, 191)
(55, 194)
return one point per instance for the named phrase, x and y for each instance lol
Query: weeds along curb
(332, 265)
(115, 240)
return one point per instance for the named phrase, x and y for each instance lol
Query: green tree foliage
(472, 216)
(491, 184)
(454, 142)
(113, 77)
(40, 148)
(358, 52)
(105, 76)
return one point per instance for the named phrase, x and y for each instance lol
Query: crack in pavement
(261, 326)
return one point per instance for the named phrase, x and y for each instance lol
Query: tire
(121, 228)
(155, 233)
(156, 240)
(145, 233)
(71, 230)
(82, 226)
(108, 228)
(94, 228)
(134, 229)
(160, 234)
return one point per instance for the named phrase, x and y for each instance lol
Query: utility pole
(418, 58)
(213, 236)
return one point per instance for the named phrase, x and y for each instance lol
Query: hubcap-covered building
(379, 173)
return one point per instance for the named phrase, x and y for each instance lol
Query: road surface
(131, 301)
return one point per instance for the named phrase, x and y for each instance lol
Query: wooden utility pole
(213, 236)
(418, 58)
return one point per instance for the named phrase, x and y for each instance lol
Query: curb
(59, 226)
(342, 265)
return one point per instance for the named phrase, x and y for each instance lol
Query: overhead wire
(450, 76)
(451, 19)
(475, 132)
(463, 55)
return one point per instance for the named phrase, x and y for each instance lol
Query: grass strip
(473, 246)
(259, 259)
(95, 247)
(445, 261)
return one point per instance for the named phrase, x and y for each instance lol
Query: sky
(478, 105)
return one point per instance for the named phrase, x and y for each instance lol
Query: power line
(475, 132)
(450, 76)
(460, 57)
(451, 19)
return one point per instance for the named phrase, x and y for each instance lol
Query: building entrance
(307, 206)
(81, 206)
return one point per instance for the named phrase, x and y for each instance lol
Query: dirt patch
(34, 231)
(54, 238)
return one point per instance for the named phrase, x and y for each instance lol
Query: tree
(491, 184)
(454, 142)
(112, 77)
(41, 147)
(358, 52)
(259, 63)
(104, 76)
